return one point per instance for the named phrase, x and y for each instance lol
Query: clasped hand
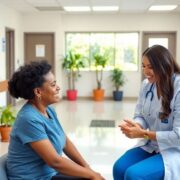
(131, 129)
(96, 175)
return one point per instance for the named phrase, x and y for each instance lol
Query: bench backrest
(3, 86)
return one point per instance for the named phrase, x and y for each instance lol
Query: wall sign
(40, 50)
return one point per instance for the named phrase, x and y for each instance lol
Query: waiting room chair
(3, 175)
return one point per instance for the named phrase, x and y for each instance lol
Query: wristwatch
(145, 136)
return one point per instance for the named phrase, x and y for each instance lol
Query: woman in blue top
(156, 120)
(37, 139)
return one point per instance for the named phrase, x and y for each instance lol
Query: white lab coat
(167, 131)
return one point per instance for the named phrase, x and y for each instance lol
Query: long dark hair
(164, 67)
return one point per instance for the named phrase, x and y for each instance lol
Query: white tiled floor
(99, 146)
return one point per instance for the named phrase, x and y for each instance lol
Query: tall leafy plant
(100, 64)
(72, 63)
(117, 78)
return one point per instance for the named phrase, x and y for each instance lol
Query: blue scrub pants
(137, 164)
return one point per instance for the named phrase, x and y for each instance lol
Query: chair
(3, 175)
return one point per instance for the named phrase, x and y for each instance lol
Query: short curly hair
(28, 77)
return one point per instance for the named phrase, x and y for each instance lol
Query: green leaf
(7, 116)
(72, 63)
(118, 78)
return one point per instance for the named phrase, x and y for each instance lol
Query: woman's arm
(71, 151)
(63, 165)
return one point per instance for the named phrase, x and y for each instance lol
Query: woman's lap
(137, 162)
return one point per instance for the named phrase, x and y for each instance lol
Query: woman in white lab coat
(156, 120)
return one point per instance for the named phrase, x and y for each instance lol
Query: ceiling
(125, 6)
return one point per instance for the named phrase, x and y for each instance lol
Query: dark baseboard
(105, 98)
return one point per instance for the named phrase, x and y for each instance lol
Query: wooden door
(39, 46)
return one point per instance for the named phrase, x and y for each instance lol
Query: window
(160, 41)
(102, 43)
(126, 56)
(121, 48)
(79, 43)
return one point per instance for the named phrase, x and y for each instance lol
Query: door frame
(171, 35)
(10, 58)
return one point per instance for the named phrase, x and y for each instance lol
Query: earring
(39, 98)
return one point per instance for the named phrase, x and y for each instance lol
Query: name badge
(163, 120)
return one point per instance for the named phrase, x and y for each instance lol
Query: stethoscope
(149, 95)
(150, 92)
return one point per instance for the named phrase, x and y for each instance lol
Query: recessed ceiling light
(105, 8)
(77, 8)
(162, 8)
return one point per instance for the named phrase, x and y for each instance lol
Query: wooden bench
(3, 86)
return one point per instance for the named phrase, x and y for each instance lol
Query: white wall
(61, 23)
(11, 19)
(121, 22)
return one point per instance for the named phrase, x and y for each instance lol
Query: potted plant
(117, 77)
(100, 62)
(72, 63)
(7, 118)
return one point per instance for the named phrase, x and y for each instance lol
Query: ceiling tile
(105, 2)
(135, 5)
(164, 2)
(74, 2)
(125, 6)
(43, 3)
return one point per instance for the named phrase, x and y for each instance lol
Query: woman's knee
(133, 174)
(118, 170)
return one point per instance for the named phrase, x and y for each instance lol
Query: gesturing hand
(131, 129)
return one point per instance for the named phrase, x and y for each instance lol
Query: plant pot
(71, 95)
(117, 95)
(98, 94)
(5, 133)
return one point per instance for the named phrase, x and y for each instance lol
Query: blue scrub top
(30, 126)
